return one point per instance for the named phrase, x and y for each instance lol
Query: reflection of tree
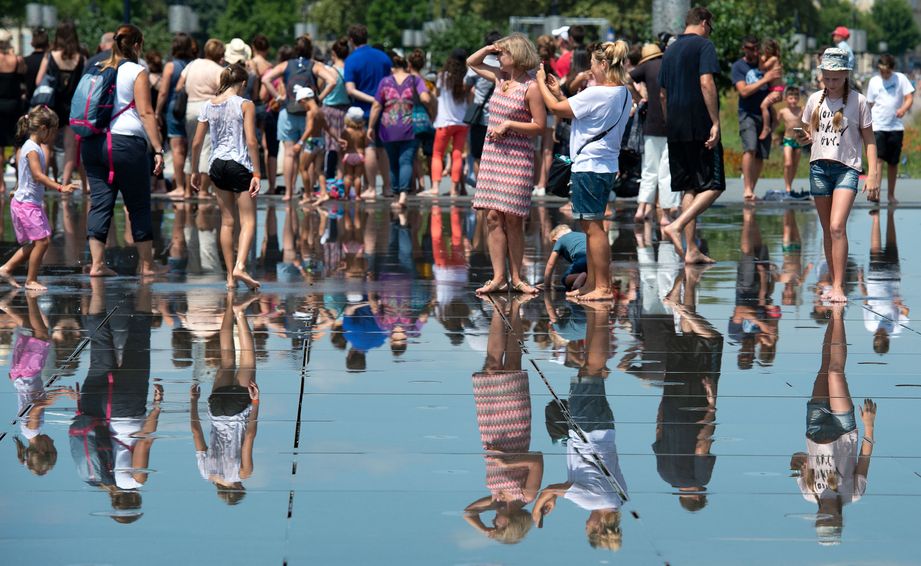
(833, 470)
(503, 406)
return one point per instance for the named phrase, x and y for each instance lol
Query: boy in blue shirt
(570, 245)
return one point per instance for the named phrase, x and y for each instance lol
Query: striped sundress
(503, 414)
(506, 175)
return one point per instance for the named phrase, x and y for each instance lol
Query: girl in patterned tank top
(506, 174)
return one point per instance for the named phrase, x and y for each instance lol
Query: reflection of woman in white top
(233, 408)
(833, 471)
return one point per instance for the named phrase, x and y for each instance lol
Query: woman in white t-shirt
(599, 114)
(233, 166)
(449, 122)
(119, 163)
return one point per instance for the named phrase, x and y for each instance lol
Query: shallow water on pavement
(400, 418)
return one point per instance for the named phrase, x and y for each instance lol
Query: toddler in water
(354, 142)
(30, 222)
(770, 59)
(571, 245)
(314, 146)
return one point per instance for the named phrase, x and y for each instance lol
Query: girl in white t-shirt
(233, 166)
(838, 124)
(27, 207)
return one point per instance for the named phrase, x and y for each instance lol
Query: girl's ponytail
(817, 112)
(22, 127)
(839, 114)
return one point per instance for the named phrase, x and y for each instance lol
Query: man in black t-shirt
(752, 86)
(692, 120)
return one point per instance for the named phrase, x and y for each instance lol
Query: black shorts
(230, 176)
(427, 143)
(889, 146)
(695, 168)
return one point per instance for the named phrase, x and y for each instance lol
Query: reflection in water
(754, 322)
(683, 352)
(585, 423)
(795, 270)
(503, 408)
(884, 314)
(31, 347)
(233, 410)
(833, 470)
(112, 433)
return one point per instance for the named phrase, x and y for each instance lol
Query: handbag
(473, 116)
(422, 122)
(44, 94)
(180, 104)
(560, 173)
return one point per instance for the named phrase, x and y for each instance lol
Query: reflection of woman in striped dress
(503, 413)
(506, 175)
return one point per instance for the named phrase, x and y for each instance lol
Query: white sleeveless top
(225, 124)
(128, 123)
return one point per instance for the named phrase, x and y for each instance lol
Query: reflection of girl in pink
(503, 408)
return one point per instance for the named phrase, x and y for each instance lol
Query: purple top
(396, 123)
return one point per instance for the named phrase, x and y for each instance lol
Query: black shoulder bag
(558, 178)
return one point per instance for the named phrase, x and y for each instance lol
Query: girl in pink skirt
(506, 175)
(30, 222)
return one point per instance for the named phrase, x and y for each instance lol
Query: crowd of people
(522, 113)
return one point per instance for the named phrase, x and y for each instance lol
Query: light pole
(126, 12)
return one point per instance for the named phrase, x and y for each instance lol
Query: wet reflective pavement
(704, 418)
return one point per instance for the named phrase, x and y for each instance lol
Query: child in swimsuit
(354, 142)
(792, 117)
(770, 58)
(314, 146)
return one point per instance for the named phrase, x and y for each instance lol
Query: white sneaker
(539, 192)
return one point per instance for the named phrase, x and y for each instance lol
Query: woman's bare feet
(240, 274)
(321, 198)
(597, 295)
(35, 286)
(152, 270)
(836, 295)
(491, 286)
(698, 258)
(8, 278)
(524, 287)
(286, 198)
(674, 235)
(102, 271)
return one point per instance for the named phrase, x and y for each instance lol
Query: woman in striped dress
(506, 174)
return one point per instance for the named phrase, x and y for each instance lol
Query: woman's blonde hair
(839, 113)
(615, 55)
(522, 51)
(214, 50)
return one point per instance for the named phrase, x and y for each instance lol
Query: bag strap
(608, 131)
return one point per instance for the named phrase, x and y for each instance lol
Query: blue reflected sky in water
(389, 457)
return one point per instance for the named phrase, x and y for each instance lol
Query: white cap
(300, 93)
(355, 113)
(562, 31)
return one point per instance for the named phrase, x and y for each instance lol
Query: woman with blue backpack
(300, 71)
(115, 152)
(183, 53)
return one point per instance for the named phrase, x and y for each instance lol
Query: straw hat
(237, 51)
(650, 51)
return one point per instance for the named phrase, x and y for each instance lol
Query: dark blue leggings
(132, 179)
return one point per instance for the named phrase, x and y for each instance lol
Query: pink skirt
(29, 221)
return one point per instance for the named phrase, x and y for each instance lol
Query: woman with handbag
(63, 67)
(183, 54)
(393, 107)
(506, 176)
(599, 114)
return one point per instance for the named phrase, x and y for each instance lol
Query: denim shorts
(290, 126)
(590, 192)
(822, 425)
(825, 176)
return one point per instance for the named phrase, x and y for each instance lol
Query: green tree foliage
(467, 33)
(735, 19)
(246, 18)
(95, 17)
(631, 20)
(895, 24)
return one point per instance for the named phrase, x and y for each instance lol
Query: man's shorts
(889, 146)
(695, 168)
(749, 130)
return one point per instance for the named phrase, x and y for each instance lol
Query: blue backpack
(92, 105)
